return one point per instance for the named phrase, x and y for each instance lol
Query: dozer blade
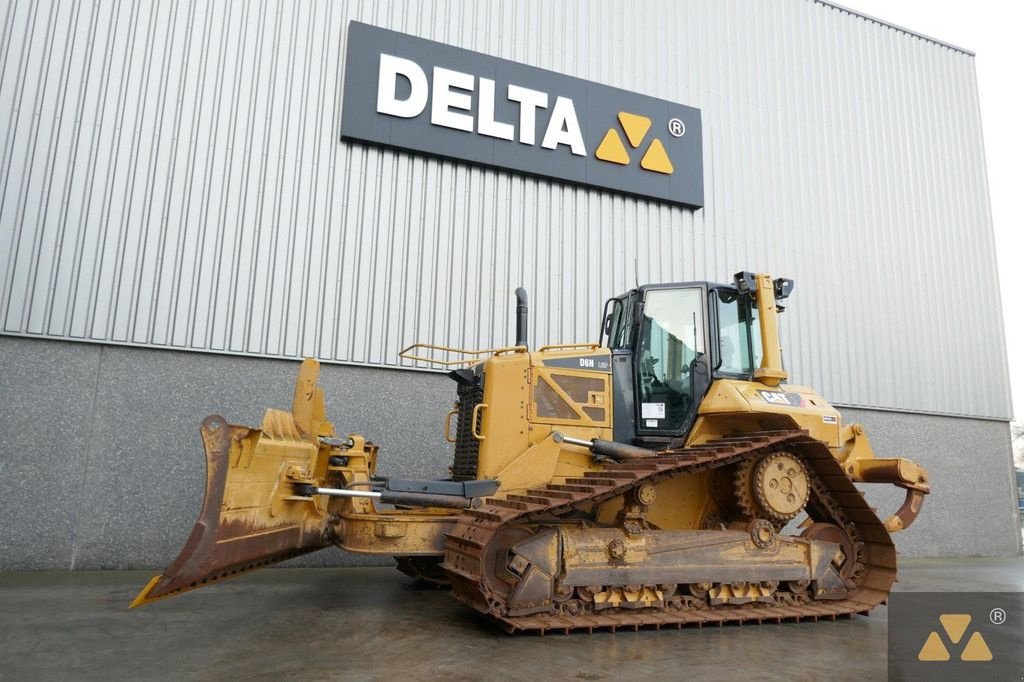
(251, 516)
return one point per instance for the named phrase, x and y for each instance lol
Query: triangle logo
(955, 625)
(635, 126)
(976, 649)
(611, 149)
(933, 649)
(656, 159)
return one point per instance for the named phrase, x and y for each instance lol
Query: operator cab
(669, 342)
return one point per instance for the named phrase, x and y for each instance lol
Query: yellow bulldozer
(666, 476)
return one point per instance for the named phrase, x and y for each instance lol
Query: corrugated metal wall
(172, 176)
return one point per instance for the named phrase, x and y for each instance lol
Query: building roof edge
(883, 22)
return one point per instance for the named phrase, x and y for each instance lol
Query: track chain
(834, 500)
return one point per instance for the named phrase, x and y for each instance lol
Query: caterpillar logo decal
(422, 96)
(611, 148)
(954, 625)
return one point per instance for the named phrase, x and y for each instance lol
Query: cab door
(671, 364)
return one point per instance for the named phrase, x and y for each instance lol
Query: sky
(994, 31)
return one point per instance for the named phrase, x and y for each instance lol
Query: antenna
(636, 272)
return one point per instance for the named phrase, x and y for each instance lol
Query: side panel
(530, 397)
(624, 404)
(501, 425)
(571, 398)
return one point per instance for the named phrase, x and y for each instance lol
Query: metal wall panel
(171, 176)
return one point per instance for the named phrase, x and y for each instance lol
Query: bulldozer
(667, 475)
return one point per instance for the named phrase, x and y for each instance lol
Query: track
(834, 499)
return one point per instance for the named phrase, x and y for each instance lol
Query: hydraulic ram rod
(607, 448)
(391, 497)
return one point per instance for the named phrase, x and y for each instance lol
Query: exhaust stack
(522, 312)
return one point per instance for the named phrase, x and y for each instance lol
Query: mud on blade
(251, 516)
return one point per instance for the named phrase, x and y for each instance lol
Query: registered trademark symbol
(676, 127)
(997, 616)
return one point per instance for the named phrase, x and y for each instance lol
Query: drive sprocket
(781, 485)
(775, 487)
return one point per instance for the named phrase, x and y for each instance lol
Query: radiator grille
(467, 448)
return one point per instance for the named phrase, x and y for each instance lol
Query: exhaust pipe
(521, 317)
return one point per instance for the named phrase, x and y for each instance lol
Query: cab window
(621, 326)
(671, 341)
(739, 334)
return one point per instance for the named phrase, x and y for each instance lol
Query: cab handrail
(405, 353)
(565, 346)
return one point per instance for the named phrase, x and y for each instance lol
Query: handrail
(404, 353)
(474, 419)
(448, 424)
(565, 346)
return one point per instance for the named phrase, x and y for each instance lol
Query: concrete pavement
(374, 624)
